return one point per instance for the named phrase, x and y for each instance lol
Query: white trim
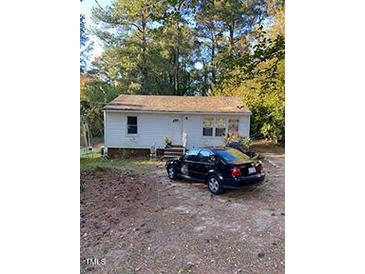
(181, 112)
(105, 125)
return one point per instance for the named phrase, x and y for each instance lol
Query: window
(132, 124)
(220, 127)
(204, 156)
(234, 156)
(191, 154)
(208, 127)
(233, 125)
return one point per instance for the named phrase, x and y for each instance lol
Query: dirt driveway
(136, 223)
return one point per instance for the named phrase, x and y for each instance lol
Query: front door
(175, 133)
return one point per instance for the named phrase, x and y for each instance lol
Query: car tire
(215, 185)
(171, 172)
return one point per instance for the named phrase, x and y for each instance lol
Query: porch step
(174, 148)
(168, 157)
(177, 151)
(173, 152)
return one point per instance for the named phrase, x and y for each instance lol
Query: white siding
(153, 128)
(114, 129)
(244, 128)
(193, 126)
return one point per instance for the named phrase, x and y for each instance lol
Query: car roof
(213, 149)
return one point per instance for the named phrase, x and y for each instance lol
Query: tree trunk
(212, 59)
(231, 37)
(177, 71)
(178, 46)
(145, 84)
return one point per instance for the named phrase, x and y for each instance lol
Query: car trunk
(249, 168)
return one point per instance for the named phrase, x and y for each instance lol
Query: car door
(203, 164)
(189, 162)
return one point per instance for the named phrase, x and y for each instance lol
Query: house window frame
(238, 125)
(127, 125)
(214, 126)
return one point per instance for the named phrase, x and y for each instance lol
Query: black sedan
(220, 168)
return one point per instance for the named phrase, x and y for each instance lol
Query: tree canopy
(193, 47)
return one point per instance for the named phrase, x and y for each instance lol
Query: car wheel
(215, 185)
(171, 172)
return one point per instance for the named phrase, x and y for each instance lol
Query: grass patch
(139, 164)
(86, 153)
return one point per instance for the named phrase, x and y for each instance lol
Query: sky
(86, 9)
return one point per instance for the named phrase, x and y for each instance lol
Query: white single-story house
(144, 121)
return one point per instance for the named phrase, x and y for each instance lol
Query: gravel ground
(142, 223)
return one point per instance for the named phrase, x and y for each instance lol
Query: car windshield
(232, 155)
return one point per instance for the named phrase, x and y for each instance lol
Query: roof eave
(108, 109)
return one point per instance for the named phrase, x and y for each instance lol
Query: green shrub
(231, 137)
(242, 140)
(245, 141)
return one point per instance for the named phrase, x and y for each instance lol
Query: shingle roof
(153, 103)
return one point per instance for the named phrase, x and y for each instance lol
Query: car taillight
(236, 172)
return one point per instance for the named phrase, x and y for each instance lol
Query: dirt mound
(109, 201)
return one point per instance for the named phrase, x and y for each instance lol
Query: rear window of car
(232, 155)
